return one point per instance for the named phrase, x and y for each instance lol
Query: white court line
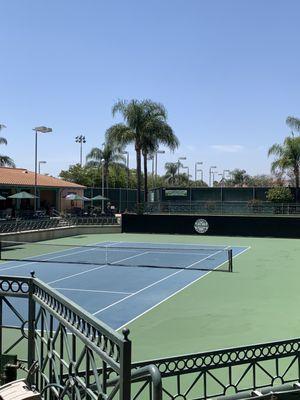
(46, 254)
(78, 273)
(91, 290)
(175, 293)
(139, 291)
(156, 282)
(43, 261)
(93, 269)
(203, 259)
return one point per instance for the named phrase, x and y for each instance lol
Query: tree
(83, 175)
(287, 157)
(279, 194)
(89, 176)
(261, 181)
(5, 160)
(239, 177)
(171, 169)
(140, 118)
(198, 183)
(109, 153)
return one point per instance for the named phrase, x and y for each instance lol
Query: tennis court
(117, 281)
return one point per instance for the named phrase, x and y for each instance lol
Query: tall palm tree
(138, 118)
(287, 157)
(156, 132)
(171, 172)
(109, 153)
(5, 160)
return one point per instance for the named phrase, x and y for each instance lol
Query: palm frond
(3, 140)
(293, 123)
(6, 161)
(95, 154)
(276, 149)
(119, 134)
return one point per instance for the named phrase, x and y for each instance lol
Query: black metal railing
(74, 351)
(223, 208)
(229, 371)
(20, 225)
(81, 357)
(85, 220)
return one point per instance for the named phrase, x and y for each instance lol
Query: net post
(230, 263)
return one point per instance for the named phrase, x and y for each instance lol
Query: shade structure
(75, 197)
(2, 198)
(22, 195)
(99, 197)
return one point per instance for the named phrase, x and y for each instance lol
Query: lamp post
(157, 152)
(178, 168)
(80, 139)
(211, 174)
(41, 162)
(151, 158)
(102, 191)
(127, 183)
(188, 173)
(40, 129)
(224, 172)
(198, 170)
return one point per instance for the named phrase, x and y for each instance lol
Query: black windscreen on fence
(285, 227)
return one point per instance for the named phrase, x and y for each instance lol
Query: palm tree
(287, 157)
(5, 160)
(109, 153)
(139, 117)
(171, 172)
(156, 132)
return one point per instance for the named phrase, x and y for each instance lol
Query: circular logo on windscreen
(201, 225)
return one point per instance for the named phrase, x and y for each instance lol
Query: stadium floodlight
(80, 139)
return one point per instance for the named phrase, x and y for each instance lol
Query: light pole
(151, 158)
(41, 162)
(40, 129)
(178, 168)
(224, 172)
(127, 166)
(198, 170)
(80, 139)
(188, 173)
(211, 173)
(157, 152)
(102, 201)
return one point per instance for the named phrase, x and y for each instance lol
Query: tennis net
(188, 257)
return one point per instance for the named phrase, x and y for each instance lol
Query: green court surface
(258, 302)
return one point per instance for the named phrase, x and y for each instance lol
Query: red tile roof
(23, 177)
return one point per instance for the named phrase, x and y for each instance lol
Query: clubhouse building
(51, 191)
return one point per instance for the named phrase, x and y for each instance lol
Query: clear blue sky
(226, 70)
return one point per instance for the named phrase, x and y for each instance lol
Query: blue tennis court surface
(123, 289)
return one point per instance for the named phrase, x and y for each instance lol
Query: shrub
(279, 194)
